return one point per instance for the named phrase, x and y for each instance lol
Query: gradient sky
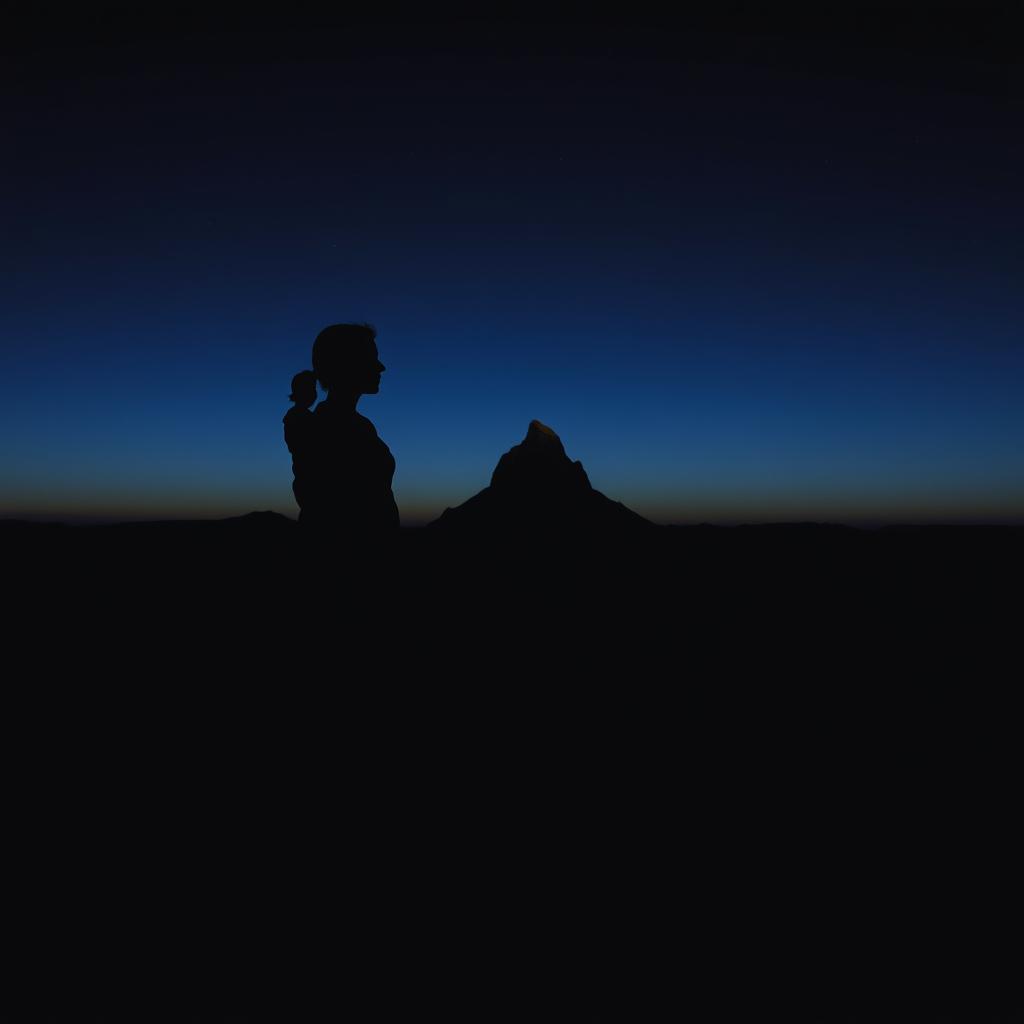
(748, 269)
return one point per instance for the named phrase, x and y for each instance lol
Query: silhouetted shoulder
(297, 417)
(341, 419)
(299, 429)
(365, 425)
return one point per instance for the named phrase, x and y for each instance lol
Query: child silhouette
(300, 434)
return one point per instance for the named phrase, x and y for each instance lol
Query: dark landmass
(615, 566)
(800, 740)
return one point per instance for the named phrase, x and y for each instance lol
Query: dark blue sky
(748, 270)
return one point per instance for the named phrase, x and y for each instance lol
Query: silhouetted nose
(380, 367)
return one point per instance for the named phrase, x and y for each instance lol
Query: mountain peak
(540, 434)
(538, 463)
(537, 487)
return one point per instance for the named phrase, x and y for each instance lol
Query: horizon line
(416, 523)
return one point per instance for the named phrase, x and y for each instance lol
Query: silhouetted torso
(349, 489)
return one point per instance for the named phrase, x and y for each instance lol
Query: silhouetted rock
(537, 488)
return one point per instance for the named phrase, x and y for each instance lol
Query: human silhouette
(345, 486)
(300, 434)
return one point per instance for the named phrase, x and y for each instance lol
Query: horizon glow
(737, 293)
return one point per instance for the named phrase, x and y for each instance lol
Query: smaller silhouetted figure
(300, 434)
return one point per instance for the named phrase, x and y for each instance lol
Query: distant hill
(251, 522)
(537, 488)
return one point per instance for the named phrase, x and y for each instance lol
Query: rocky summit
(536, 487)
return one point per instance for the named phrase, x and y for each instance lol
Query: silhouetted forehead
(355, 348)
(344, 346)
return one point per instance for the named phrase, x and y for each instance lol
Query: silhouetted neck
(342, 401)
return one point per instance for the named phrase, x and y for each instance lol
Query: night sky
(751, 268)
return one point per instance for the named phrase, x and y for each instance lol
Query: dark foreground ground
(796, 601)
(761, 773)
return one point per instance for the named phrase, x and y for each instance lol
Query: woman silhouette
(350, 495)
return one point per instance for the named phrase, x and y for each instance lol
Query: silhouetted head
(345, 359)
(303, 389)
